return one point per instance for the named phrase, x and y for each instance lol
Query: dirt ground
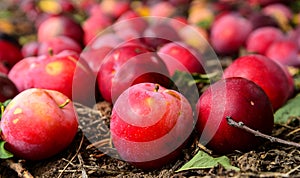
(83, 158)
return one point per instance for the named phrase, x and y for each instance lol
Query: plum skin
(229, 33)
(8, 89)
(58, 44)
(63, 72)
(127, 65)
(60, 25)
(240, 99)
(151, 131)
(35, 127)
(264, 72)
(179, 56)
(260, 39)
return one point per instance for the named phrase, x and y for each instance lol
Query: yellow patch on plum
(172, 93)
(18, 111)
(15, 120)
(54, 68)
(149, 101)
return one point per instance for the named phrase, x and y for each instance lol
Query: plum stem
(156, 88)
(242, 126)
(64, 104)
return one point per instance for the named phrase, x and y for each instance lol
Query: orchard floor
(83, 158)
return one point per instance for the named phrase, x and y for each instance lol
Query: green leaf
(203, 161)
(4, 154)
(188, 79)
(289, 110)
(5, 14)
(3, 106)
(5, 103)
(205, 24)
(187, 83)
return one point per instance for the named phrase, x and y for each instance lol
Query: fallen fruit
(260, 39)
(8, 89)
(153, 127)
(38, 124)
(129, 64)
(10, 52)
(229, 32)
(55, 72)
(285, 52)
(181, 57)
(58, 44)
(264, 72)
(243, 101)
(60, 25)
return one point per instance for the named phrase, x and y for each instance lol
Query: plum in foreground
(153, 127)
(243, 101)
(38, 124)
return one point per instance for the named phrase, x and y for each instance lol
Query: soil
(87, 156)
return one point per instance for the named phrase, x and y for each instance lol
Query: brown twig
(77, 152)
(22, 172)
(263, 174)
(293, 132)
(293, 170)
(81, 162)
(271, 174)
(202, 147)
(241, 125)
(99, 143)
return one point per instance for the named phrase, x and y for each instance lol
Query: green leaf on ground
(289, 110)
(203, 160)
(186, 78)
(4, 154)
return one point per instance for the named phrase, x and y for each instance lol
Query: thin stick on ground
(77, 152)
(202, 147)
(81, 162)
(293, 170)
(241, 125)
(22, 172)
(293, 132)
